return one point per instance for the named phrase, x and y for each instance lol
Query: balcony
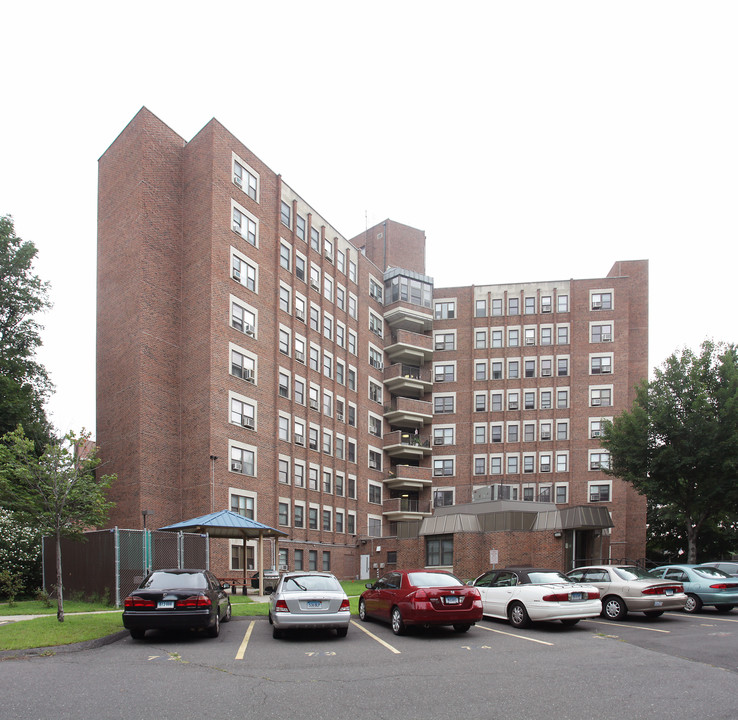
(405, 508)
(406, 445)
(408, 412)
(406, 316)
(409, 347)
(408, 380)
(408, 477)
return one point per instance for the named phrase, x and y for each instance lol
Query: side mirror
(225, 586)
(369, 586)
(268, 590)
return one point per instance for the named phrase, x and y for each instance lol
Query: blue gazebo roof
(226, 524)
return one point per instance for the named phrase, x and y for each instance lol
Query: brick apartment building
(250, 357)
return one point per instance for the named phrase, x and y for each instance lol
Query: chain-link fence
(108, 564)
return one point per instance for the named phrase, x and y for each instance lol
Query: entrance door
(364, 570)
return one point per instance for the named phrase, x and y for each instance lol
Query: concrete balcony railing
(398, 444)
(409, 477)
(408, 380)
(405, 508)
(409, 347)
(407, 316)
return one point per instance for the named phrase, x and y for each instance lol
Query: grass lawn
(43, 632)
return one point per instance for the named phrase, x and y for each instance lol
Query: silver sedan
(309, 600)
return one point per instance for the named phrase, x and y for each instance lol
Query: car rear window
(310, 582)
(429, 579)
(710, 572)
(633, 573)
(539, 578)
(167, 581)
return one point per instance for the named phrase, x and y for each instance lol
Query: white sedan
(523, 595)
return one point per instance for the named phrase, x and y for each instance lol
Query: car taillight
(421, 595)
(345, 605)
(594, 595)
(661, 589)
(723, 586)
(281, 606)
(194, 601)
(134, 602)
(556, 597)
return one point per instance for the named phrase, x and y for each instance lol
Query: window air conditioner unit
(545, 436)
(596, 306)
(530, 341)
(236, 466)
(300, 315)
(606, 338)
(238, 181)
(545, 308)
(374, 465)
(300, 357)
(284, 568)
(248, 329)
(596, 433)
(315, 286)
(546, 373)
(300, 440)
(313, 444)
(596, 402)
(606, 370)
(314, 405)
(248, 422)
(438, 441)
(248, 375)
(594, 466)
(512, 406)
(339, 417)
(237, 228)
(236, 274)
(329, 257)
(545, 468)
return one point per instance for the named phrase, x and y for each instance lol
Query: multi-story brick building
(251, 357)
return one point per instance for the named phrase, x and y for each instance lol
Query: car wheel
(693, 604)
(362, 611)
(276, 633)
(228, 613)
(138, 634)
(653, 613)
(518, 615)
(214, 630)
(570, 621)
(461, 628)
(613, 608)
(342, 632)
(722, 609)
(398, 625)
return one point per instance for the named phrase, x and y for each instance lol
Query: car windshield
(431, 579)
(710, 572)
(539, 578)
(303, 583)
(632, 572)
(168, 581)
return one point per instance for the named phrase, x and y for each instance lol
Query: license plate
(658, 603)
(314, 603)
(576, 596)
(669, 591)
(165, 604)
(452, 600)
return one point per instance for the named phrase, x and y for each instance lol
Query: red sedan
(421, 597)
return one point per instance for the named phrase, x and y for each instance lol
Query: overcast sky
(530, 140)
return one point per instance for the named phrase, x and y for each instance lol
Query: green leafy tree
(20, 551)
(59, 493)
(678, 445)
(24, 383)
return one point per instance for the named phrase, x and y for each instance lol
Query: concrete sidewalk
(4, 619)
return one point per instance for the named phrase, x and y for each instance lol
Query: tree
(24, 383)
(679, 443)
(20, 551)
(59, 493)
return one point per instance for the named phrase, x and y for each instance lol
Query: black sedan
(177, 599)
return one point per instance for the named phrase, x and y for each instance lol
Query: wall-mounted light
(557, 534)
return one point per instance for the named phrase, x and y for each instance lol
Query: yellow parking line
(635, 627)
(522, 637)
(245, 641)
(379, 640)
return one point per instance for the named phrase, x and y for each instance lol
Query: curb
(58, 649)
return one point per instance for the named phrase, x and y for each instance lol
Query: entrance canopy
(227, 524)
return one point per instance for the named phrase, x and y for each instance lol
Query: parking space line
(522, 637)
(710, 618)
(379, 640)
(242, 649)
(610, 623)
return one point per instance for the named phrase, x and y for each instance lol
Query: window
(328, 249)
(300, 227)
(376, 358)
(243, 413)
(562, 462)
(530, 306)
(375, 460)
(299, 391)
(439, 550)
(529, 463)
(530, 368)
(445, 341)
(285, 256)
(480, 466)
(244, 225)
(562, 399)
(443, 404)
(529, 400)
(285, 214)
(562, 367)
(299, 478)
(513, 401)
(299, 517)
(601, 333)
(327, 365)
(546, 336)
(340, 297)
(284, 471)
(480, 339)
(313, 519)
(601, 365)
(352, 487)
(480, 371)
(497, 369)
(328, 288)
(243, 271)
(352, 271)
(601, 301)
(351, 523)
(376, 325)
(443, 497)
(351, 383)
(298, 560)
(513, 369)
(245, 179)
(341, 261)
(599, 493)
(496, 404)
(312, 559)
(495, 433)
(545, 463)
(315, 239)
(352, 342)
(315, 318)
(529, 432)
(546, 431)
(596, 427)
(530, 336)
(496, 339)
(374, 526)
(546, 306)
(497, 307)
(242, 460)
(445, 373)
(480, 402)
(327, 442)
(327, 521)
(237, 559)
(283, 513)
(242, 319)
(300, 267)
(599, 460)
(340, 485)
(443, 436)
(314, 358)
(562, 303)
(562, 334)
(285, 302)
(480, 308)
(375, 426)
(480, 434)
(242, 366)
(375, 392)
(243, 505)
(284, 341)
(600, 397)
(443, 467)
(375, 493)
(562, 430)
(315, 277)
(513, 306)
(513, 462)
(545, 399)
(561, 494)
(513, 433)
(513, 338)
(375, 290)
(445, 310)
(326, 561)
(352, 305)
(495, 465)
(544, 493)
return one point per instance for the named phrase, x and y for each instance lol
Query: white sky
(531, 140)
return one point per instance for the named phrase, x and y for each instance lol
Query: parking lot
(681, 665)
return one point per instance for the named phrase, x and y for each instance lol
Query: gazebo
(227, 524)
